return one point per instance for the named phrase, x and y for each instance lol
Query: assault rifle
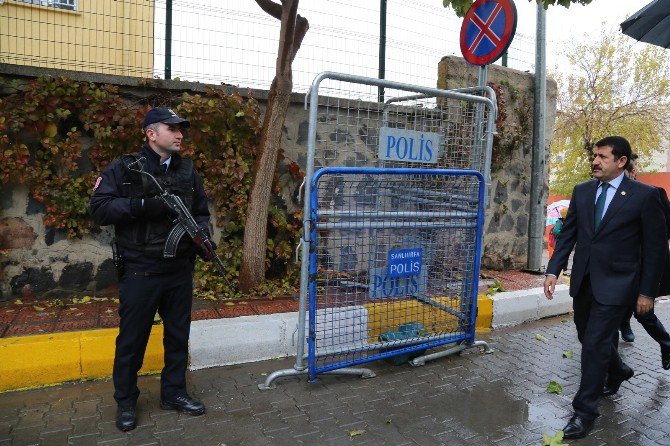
(184, 223)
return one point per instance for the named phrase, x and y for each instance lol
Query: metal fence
(360, 216)
(394, 260)
(233, 42)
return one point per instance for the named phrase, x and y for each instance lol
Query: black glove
(204, 253)
(155, 209)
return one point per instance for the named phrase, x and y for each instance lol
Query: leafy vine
(57, 134)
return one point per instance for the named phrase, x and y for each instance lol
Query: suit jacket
(626, 255)
(665, 280)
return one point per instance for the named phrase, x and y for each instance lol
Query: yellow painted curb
(484, 313)
(42, 360)
(382, 314)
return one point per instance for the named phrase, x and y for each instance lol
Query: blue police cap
(164, 115)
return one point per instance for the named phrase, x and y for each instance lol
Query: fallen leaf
(539, 337)
(568, 354)
(356, 433)
(230, 304)
(554, 387)
(556, 440)
(18, 302)
(38, 308)
(387, 421)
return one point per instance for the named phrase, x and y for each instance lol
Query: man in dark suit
(617, 228)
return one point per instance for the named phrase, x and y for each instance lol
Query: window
(70, 5)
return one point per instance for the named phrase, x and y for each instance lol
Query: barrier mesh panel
(393, 263)
(349, 131)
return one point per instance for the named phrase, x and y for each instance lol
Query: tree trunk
(293, 30)
(252, 272)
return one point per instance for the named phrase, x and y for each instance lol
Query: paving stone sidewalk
(468, 399)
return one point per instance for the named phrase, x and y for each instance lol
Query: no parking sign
(487, 30)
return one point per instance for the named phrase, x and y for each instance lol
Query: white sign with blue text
(408, 145)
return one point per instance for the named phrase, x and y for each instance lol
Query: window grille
(70, 5)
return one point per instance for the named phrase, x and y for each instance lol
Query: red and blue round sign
(487, 30)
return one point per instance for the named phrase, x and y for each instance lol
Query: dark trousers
(597, 330)
(140, 297)
(652, 326)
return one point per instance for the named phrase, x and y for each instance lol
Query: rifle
(184, 223)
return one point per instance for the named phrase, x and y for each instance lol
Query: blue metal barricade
(394, 262)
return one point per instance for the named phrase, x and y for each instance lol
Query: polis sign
(403, 275)
(408, 145)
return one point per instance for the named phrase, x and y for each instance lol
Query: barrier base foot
(364, 373)
(268, 384)
(421, 360)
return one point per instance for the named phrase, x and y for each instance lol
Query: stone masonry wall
(506, 228)
(35, 260)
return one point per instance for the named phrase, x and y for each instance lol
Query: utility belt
(145, 273)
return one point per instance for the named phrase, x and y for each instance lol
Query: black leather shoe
(626, 332)
(613, 383)
(126, 420)
(577, 427)
(665, 358)
(183, 404)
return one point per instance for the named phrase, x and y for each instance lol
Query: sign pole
(479, 134)
(537, 211)
(487, 31)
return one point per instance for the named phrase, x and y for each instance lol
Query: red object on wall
(659, 179)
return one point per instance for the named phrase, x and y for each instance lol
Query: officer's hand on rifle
(205, 253)
(155, 209)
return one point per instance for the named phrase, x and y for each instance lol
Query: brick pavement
(471, 399)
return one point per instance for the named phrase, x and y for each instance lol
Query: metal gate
(404, 144)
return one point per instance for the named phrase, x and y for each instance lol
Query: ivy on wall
(57, 134)
(510, 136)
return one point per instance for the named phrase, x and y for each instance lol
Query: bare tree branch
(271, 8)
(301, 28)
(287, 35)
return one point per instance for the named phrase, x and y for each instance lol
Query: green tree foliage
(615, 87)
(462, 6)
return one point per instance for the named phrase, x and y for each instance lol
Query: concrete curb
(42, 360)
(517, 307)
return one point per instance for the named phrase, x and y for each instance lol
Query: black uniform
(150, 282)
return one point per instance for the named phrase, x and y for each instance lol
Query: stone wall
(506, 229)
(39, 261)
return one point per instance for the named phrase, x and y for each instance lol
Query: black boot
(126, 419)
(626, 332)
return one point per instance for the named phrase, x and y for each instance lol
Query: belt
(144, 273)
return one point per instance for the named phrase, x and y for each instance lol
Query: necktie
(164, 168)
(600, 204)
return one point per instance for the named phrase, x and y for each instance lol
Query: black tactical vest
(149, 236)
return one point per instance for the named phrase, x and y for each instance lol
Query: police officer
(149, 282)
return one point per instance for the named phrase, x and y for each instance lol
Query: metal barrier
(406, 144)
(407, 278)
